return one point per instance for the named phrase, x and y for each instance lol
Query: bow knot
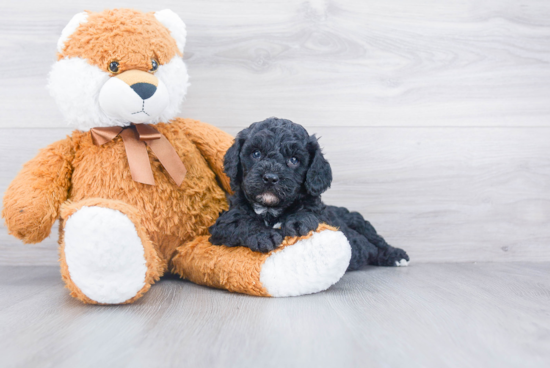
(136, 137)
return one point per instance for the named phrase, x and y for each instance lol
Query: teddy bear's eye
(154, 66)
(256, 154)
(113, 67)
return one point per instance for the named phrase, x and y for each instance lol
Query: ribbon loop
(147, 132)
(135, 138)
(100, 136)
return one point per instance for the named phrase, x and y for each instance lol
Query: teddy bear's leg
(301, 265)
(106, 256)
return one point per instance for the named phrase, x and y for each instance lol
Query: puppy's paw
(300, 225)
(264, 241)
(402, 263)
(393, 257)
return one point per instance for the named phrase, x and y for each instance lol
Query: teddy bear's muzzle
(143, 83)
(135, 96)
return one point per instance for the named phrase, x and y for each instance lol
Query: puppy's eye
(256, 154)
(113, 67)
(154, 66)
(293, 162)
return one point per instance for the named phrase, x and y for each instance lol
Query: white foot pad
(402, 263)
(104, 254)
(309, 266)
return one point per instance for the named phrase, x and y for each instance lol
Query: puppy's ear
(319, 174)
(232, 161)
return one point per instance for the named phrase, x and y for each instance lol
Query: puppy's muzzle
(268, 199)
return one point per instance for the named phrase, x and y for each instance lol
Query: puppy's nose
(270, 178)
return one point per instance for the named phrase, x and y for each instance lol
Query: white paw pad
(309, 266)
(104, 254)
(402, 263)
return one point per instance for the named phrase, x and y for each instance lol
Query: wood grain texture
(334, 62)
(435, 118)
(443, 194)
(433, 115)
(427, 315)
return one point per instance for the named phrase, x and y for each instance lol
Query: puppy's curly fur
(278, 172)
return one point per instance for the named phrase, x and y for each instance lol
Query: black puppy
(278, 173)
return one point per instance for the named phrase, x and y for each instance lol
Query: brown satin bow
(135, 137)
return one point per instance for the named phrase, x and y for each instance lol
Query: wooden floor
(427, 315)
(436, 121)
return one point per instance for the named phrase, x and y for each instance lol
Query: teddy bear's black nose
(144, 90)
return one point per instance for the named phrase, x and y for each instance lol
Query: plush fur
(93, 183)
(309, 266)
(300, 265)
(118, 236)
(75, 170)
(105, 254)
(70, 28)
(176, 26)
(80, 81)
(278, 173)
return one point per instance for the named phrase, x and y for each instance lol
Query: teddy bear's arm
(212, 143)
(33, 199)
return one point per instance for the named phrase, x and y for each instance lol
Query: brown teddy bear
(135, 187)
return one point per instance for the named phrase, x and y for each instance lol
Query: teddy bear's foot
(310, 265)
(301, 265)
(106, 255)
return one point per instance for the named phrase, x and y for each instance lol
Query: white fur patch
(76, 85)
(173, 22)
(260, 210)
(309, 266)
(70, 28)
(268, 198)
(176, 79)
(104, 254)
(402, 263)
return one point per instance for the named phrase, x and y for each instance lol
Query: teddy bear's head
(119, 67)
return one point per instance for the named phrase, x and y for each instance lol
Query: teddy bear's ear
(69, 29)
(173, 22)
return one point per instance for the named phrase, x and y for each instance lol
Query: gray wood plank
(443, 194)
(447, 194)
(427, 315)
(337, 62)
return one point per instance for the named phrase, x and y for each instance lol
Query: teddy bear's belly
(171, 215)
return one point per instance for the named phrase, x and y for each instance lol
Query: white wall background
(435, 115)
